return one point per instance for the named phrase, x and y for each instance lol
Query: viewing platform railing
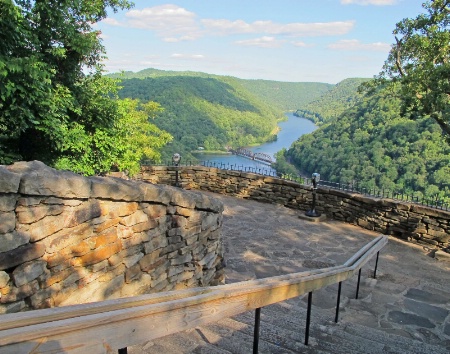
(113, 325)
(355, 187)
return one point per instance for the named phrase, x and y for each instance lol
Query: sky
(283, 40)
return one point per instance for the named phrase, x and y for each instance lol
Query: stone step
(191, 341)
(290, 334)
(239, 338)
(287, 329)
(393, 343)
(283, 330)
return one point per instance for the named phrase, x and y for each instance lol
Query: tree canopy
(55, 105)
(332, 103)
(419, 64)
(284, 96)
(374, 146)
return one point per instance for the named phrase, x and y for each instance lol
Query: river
(290, 131)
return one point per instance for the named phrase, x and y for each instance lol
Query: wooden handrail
(105, 326)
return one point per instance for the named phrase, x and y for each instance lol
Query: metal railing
(241, 168)
(354, 187)
(436, 202)
(94, 327)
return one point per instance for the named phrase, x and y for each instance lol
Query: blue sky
(284, 40)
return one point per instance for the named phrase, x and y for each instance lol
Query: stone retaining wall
(405, 220)
(67, 239)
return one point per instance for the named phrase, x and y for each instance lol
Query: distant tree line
(284, 96)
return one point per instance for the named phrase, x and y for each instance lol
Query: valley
(361, 138)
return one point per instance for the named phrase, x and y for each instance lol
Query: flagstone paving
(404, 310)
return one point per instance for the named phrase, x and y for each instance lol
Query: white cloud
(188, 56)
(174, 24)
(161, 17)
(301, 44)
(263, 42)
(112, 22)
(354, 44)
(228, 27)
(148, 63)
(179, 39)
(296, 29)
(369, 2)
(171, 22)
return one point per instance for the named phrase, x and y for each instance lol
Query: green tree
(419, 64)
(283, 166)
(50, 76)
(211, 143)
(121, 147)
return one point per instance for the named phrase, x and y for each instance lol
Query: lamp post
(312, 212)
(176, 160)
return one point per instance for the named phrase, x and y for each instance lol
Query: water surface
(290, 131)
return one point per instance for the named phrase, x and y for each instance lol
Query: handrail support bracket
(256, 330)
(308, 318)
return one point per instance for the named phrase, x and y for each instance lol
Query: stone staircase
(283, 328)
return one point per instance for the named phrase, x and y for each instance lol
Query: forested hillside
(332, 103)
(372, 143)
(205, 112)
(285, 96)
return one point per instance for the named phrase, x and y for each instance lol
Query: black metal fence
(416, 198)
(259, 170)
(386, 193)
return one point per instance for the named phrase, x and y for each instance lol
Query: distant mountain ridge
(213, 111)
(285, 96)
(332, 103)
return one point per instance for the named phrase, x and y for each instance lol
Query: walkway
(409, 302)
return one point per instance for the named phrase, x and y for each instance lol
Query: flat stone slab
(404, 318)
(442, 256)
(431, 312)
(425, 296)
(447, 329)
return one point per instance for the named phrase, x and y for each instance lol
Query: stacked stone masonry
(408, 221)
(67, 239)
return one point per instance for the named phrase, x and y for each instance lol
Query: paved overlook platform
(405, 310)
